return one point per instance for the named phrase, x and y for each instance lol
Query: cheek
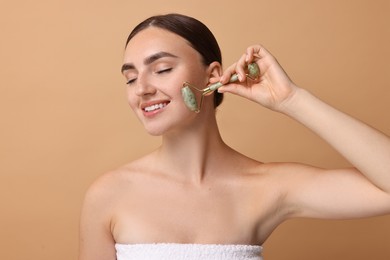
(197, 77)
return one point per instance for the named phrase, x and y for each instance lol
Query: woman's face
(156, 63)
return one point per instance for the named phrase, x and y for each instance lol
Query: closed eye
(129, 82)
(164, 71)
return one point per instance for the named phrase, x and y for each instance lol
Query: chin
(164, 125)
(155, 129)
(155, 132)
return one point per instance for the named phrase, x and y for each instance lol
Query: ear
(215, 72)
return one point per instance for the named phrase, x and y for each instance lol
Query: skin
(196, 189)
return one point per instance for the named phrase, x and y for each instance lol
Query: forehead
(153, 40)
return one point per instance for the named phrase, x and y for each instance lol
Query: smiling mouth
(155, 107)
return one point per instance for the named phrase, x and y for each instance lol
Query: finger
(241, 68)
(253, 53)
(231, 88)
(224, 79)
(256, 52)
(235, 89)
(249, 54)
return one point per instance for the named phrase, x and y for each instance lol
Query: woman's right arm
(96, 241)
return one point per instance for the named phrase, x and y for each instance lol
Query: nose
(144, 86)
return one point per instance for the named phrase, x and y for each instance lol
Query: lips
(154, 106)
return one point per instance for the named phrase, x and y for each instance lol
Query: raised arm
(312, 192)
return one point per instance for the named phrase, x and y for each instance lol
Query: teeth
(154, 107)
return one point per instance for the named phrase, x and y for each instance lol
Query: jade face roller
(190, 98)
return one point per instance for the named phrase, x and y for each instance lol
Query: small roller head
(189, 98)
(253, 70)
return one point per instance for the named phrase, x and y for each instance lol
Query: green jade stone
(253, 73)
(189, 98)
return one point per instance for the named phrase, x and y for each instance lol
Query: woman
(197, 198)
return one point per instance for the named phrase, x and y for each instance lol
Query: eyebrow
(152, 58)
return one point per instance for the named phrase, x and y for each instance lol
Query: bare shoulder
(287, 167)
(288, 176)
(271, 169)
(284, 170)
(116, 176)
(100, 205)
(278, 179)
(110, 185)
(291, 172)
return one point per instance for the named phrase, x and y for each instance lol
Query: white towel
(172, 251)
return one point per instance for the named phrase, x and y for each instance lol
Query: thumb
(232, 88)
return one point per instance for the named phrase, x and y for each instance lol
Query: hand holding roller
(190, 98)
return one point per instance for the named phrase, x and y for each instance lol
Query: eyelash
(164, 71)
(129, 82)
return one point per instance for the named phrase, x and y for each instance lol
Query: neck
(190, 153)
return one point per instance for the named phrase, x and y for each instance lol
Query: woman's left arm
(363, 146)
(362, 191)
(366, 148)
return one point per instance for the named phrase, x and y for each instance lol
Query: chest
(188, 215)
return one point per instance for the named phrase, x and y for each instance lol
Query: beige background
(65, 121)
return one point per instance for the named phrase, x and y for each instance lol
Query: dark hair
(195, 32)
